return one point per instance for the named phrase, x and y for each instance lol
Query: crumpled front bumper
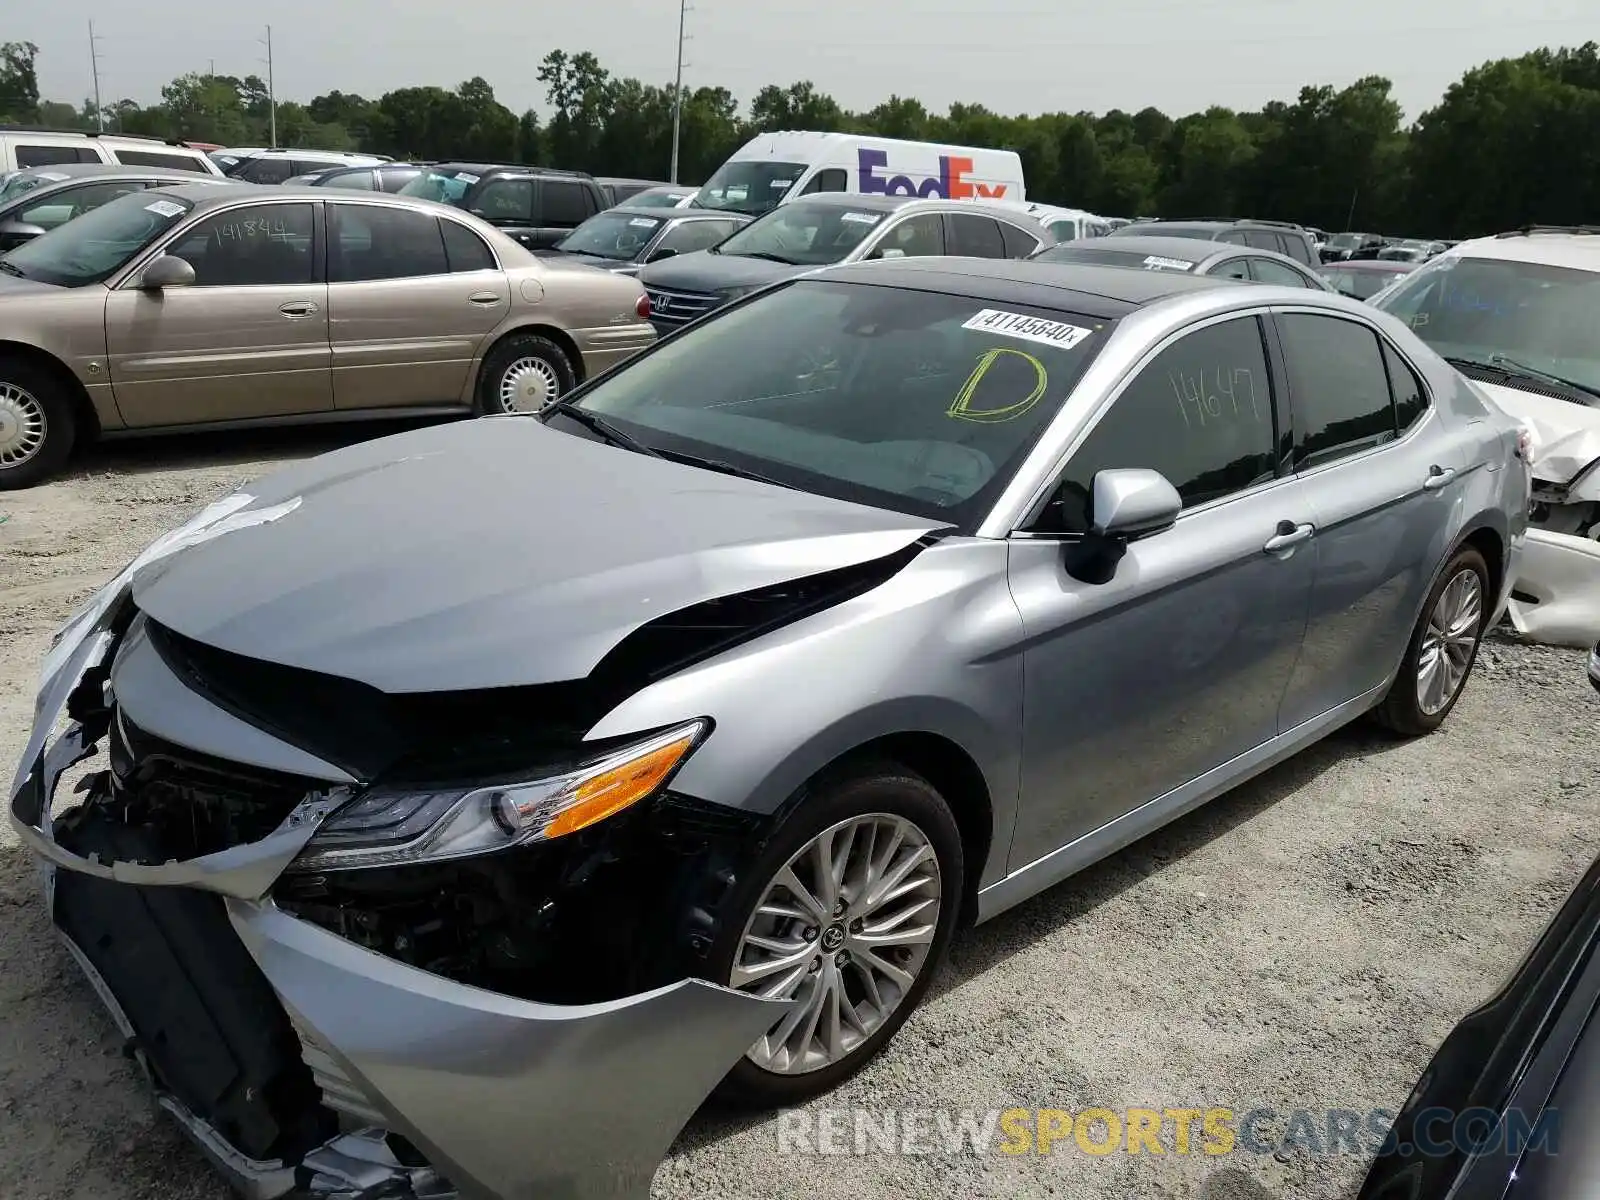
(504, 1097)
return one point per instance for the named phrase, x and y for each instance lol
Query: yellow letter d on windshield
(962, 409)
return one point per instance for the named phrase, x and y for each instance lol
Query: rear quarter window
(157, 158)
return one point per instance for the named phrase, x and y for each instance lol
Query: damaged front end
(1556, 597)
(331, 988)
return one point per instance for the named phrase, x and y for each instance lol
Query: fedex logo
(950, 184)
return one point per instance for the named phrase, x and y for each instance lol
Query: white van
(1068, 224)
(773, 168)
(21, 148)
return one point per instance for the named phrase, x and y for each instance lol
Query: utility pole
(94, 71)
(272, 97)
(677, 92)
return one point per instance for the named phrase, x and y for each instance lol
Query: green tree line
(1514, 141)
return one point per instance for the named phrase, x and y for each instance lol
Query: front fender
(933, 650)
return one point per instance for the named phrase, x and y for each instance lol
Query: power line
(94, 71)
(677, 91)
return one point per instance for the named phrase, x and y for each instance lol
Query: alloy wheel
(527, 385)
(23, 425)
(1449, 641)
(844, 929)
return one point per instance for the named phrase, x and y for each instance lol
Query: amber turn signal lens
(614, 790)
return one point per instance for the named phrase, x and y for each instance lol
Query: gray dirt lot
(1303, 943)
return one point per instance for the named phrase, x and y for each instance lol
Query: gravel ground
(1301, 944)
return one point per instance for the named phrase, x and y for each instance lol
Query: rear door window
(47, 156)
(970, 236)
(1019, 243)
(1338, 387)
(505, 200)
(157, 158)
(369, 242)
(563, 205)
(1267, 270)
(465, 249)
(268, 170)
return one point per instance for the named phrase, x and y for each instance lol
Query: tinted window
(262, 244)
(502, 200)
(974, 237)
(1298, 247)
(1268, 271)
(1019, 242)
(1410, 400)
(1233, 237)
(1263, 239)
(565, 205)
(1200, 413)
(918, 401)
(915, 237)
(696, 235)
(1233, 268)
(267, 170)
(831, 180)
(394, 181)
(465, 249)
(358, 180)
(1337, 386)
(44, 156)
(383, 243)
(60, 207)
(310, 166)
(154, 158)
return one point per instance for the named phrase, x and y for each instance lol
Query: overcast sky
(1012, 55)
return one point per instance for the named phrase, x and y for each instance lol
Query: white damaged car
(1519, 315)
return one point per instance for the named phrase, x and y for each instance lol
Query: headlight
(387, 828)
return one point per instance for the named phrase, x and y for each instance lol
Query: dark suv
(536, 205)
(1280, 237)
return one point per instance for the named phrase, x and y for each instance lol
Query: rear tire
(37, 425)
(887, 812)
(1443, 649)
(524, 374)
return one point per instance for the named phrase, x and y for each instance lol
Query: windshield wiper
(594, 421)
(721, 466)
(1507, 365)
(11, 269)
(777, 258)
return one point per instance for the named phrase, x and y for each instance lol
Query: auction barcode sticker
(1156, 263)
(1034, 329)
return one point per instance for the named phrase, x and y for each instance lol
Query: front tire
(1443, 649)
(37, 429)
(523, 374)
(848, 910)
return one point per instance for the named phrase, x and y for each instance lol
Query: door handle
(1438, 477)
(297, 308)
(1289, 536)
(484, 298)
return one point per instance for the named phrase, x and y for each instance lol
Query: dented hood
(489, 553)
(1566, 436)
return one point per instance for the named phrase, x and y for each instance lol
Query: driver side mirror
(1128, 503)
(1125, 504)
(662, 252)
(168, 271)
(890, 252)
(16, 233)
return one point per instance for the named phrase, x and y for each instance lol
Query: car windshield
(1111, 257)
(98, 243)
(812, 234)
(657, 198)
(446, 185)
(920, 402)
(749, 187)
(1346, 241)
(613, 235)
(1477, 309)
(1361, 285)
(26, 181)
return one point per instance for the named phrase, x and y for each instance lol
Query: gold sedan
(210, 307)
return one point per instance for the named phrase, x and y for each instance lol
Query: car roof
(231, 190)
(1387, 265)
(1195, 250)
(78, 170)
(877, 203)
(1553, 248)
(1208, 226)
(1094, 291)
(666, 214)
